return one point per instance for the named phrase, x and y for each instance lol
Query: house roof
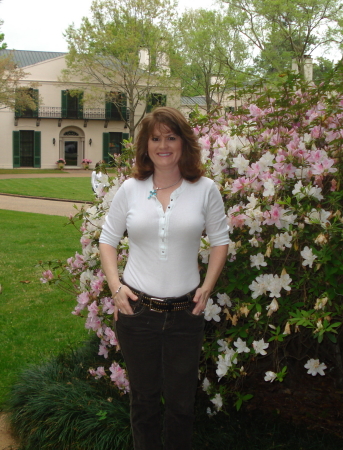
(192, 101)
(25, 58)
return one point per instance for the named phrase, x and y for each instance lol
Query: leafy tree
(105, 50)
(321, 68)
(209, 54)
(282, 30)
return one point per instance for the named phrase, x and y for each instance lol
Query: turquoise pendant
(152, 193)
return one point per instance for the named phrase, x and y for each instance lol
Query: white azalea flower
(320, 303)
(241, 346)
(260, 346)
(257, 316)
(241, 164)
(223, 346)
(257, 260)
(217, 401)
(212, 311)
(285, 280)
(283, 240)
(274, 286)
(270, 376)
(210, 413)
(205, 384)
(320, 216)
(224, 300)
(269, 188)
(308, 256)
(254, 242)
(314, 367)
(307, 191)
(266, 160)
(252, 202)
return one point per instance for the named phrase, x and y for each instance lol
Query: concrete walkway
(53, 207)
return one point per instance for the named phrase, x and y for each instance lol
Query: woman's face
(164, 148)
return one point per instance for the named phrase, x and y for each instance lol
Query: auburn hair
(190, 162)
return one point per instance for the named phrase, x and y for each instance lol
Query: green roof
(25, 58)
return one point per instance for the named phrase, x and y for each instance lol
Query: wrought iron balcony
(55, 112)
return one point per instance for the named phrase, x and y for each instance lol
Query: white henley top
(164, 245)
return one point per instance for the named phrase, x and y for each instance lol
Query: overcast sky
(39, 24)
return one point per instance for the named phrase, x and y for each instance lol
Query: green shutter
(17, 111)
(149, 103)
(35, 96)
(125, 136)
(123, 101)
(64, 103)
(80, 105)
(16, 148)
(105, 146)
(36, 149)
(108, 107)
(163, 101)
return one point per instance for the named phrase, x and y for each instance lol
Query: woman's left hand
(200, 298)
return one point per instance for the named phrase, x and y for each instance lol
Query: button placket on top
(164, 217)
(163, 227)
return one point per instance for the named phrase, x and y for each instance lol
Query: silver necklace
(154, 191)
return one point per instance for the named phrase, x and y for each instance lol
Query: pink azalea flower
(47, 275)
(107, 305)
(118, 376)
(110, 336)
(273, 216)
(240, 184)
(103, 350)
(83, 298)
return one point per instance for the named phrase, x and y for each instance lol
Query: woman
(159, 303)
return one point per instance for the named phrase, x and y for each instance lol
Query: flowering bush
(86, 161)
(60, 161)
(278, 164)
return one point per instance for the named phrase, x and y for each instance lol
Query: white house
(64, 124)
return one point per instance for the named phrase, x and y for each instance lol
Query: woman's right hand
(121, 302)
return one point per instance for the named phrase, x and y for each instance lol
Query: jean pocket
(137, 308)
(189, 312)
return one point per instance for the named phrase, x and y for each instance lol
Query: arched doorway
(72, 146)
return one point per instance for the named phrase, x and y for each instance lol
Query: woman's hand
(216, 263)
(121, 301)
(200, 298)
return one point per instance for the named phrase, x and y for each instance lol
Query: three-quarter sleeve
(217, 228)
(115, 222)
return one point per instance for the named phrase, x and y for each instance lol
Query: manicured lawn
(35, 319)
(77, 189)
(33, 171)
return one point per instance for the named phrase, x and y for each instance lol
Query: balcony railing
(55, 112)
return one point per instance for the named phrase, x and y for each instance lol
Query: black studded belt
(167, 304)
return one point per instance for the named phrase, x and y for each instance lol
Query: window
(26, 102)
(112, 143)
(116, 108)
(72, 104)
(155, 100)
(26, 148)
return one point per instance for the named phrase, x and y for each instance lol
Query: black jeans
(161, 351)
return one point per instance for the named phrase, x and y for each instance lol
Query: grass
(29, 171)
(77, 189)
(35, 319)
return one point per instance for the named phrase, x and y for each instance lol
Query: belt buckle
(155, 299)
